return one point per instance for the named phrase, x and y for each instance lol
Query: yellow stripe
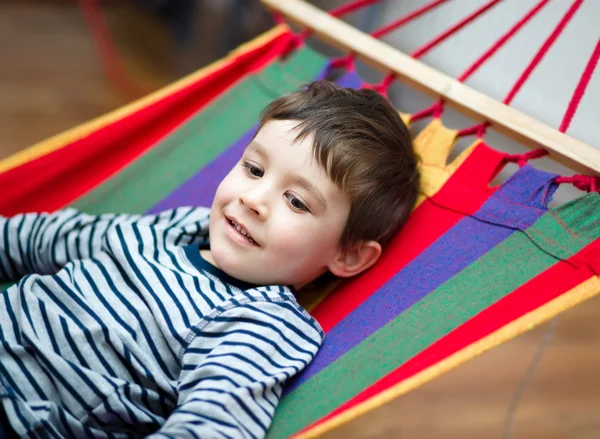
(56, 142)
(580, 293)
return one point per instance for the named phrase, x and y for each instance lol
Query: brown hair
(365, 148)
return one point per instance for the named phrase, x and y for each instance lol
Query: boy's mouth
(241, 231)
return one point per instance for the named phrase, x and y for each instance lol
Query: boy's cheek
(304, 244)
(289, 242)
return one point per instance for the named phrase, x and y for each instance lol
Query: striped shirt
(119, 329)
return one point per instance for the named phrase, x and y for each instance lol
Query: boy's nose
(254, 202)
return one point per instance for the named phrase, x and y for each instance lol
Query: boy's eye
(296, 203)
(252, 170)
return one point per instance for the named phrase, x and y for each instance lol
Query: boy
(128, 326)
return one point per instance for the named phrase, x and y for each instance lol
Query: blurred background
(52, 78)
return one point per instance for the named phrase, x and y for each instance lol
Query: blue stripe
(35, 227)
(84, 330)
(25, 306)
(285, 323)
(25, 266)
(225, 378)
(30, 378)
(150, 290)
(262, 324)
(248, 361)
(37, 244)
(205, 416)
(14, 272)
(153, 418)
(58, 375)
(240, 403)
(125, 302)
(213, 286)
(56, 235)
(252, 334)
(104, 302)
(48, 327)
(13, 318)
(256, 366)
(225, 409)
(177, 275)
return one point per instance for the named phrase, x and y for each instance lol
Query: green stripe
(168, 165)
(499, 272)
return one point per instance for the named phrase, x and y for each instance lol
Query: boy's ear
(350, 262)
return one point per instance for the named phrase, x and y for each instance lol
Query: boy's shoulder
(181, 220)
(272, 306)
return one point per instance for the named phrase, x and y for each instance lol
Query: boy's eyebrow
(300, 181)
(258, 148)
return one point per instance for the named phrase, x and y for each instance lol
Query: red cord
(406, 19)
(480, 128)
(580, 90)
(434, 110)
(542, 52)
(351, 7)
(348, 60)
(107, 50)
(440, 38)
(522, 159)
(582, 182)
(502, 41)
(336, 12)
(341, 11)
(433, 43)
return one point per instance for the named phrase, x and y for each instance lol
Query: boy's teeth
(239, 229)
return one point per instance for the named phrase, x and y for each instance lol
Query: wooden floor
(50, 80)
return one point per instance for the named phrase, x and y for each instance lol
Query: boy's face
(285, 202)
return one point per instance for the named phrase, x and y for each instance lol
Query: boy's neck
(207, 256)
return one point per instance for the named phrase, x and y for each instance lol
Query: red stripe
(561, 277)
(424, 226)
(580, 90)
(54, 180)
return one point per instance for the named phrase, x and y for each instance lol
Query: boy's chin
(248, 269)
(237, 268)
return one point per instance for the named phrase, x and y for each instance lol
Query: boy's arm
(42, 243)
(234, 370)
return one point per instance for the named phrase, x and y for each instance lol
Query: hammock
(474, 266)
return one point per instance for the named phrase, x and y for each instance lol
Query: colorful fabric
(474, 266)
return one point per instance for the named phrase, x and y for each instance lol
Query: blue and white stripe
(114, 332)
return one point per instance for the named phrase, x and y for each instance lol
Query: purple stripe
(201, 188)
(516, 205)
